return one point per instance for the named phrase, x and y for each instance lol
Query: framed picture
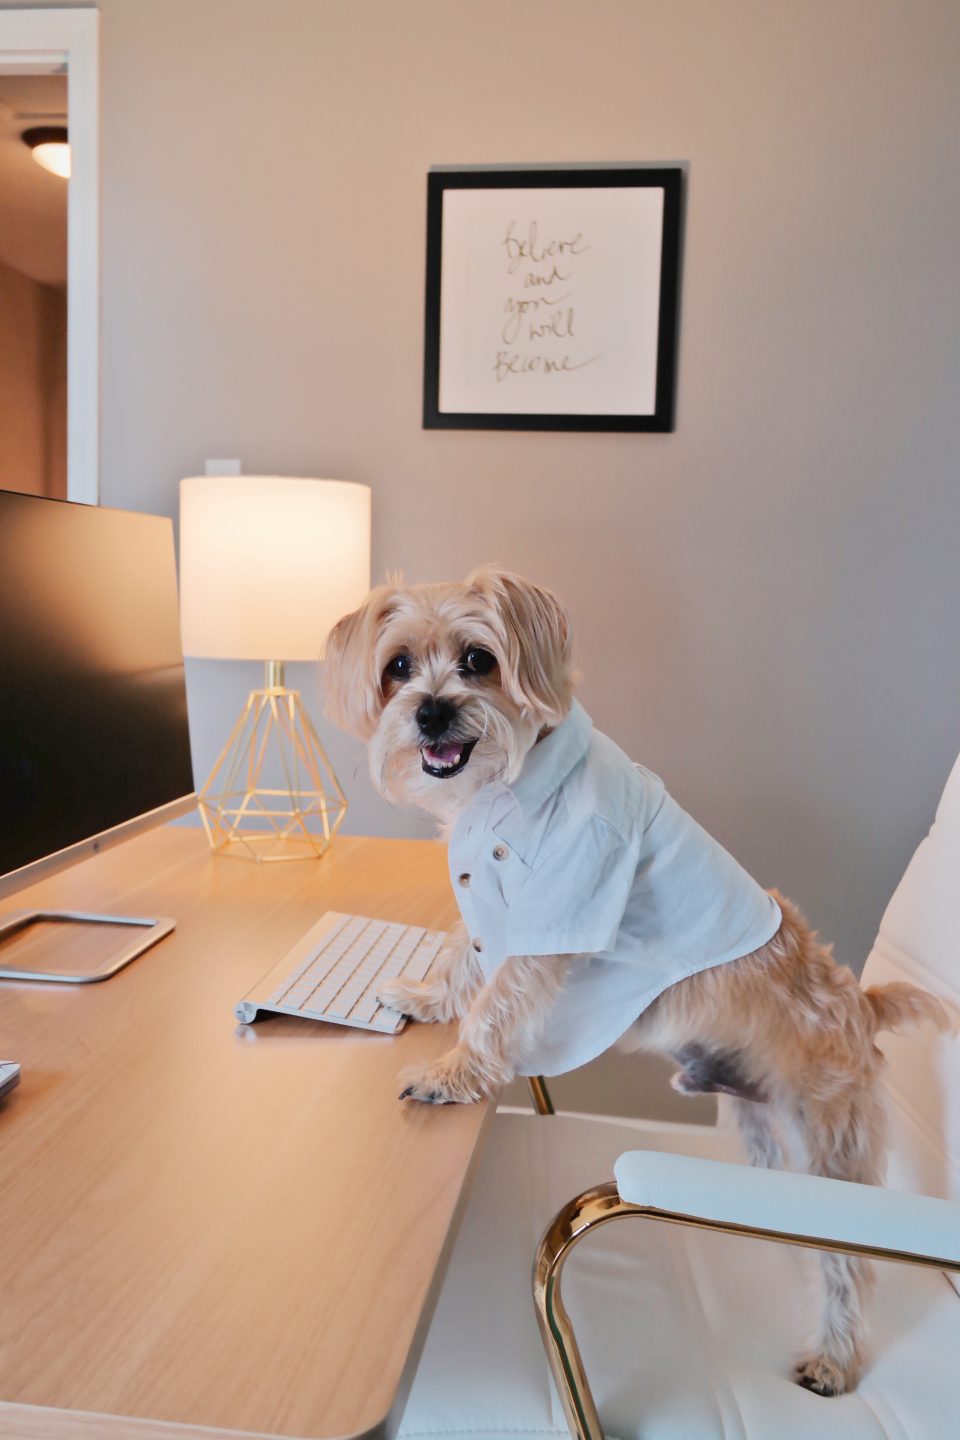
(551, 299)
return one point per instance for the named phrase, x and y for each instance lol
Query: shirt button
(500, 852)
(478, 945)
(463, 880)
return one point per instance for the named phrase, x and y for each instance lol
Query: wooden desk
(207, 1225)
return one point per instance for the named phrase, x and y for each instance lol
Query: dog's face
(450, 684)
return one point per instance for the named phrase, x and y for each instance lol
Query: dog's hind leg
(759, 1136)
(844, 1139)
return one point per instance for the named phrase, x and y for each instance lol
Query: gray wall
(765, 603)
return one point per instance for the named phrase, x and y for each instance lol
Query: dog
(598, 912)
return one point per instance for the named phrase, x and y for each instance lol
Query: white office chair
(690, 1333)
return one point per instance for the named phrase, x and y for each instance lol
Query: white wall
(764, 602)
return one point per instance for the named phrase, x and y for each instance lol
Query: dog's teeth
(448, 758)
(445, 762)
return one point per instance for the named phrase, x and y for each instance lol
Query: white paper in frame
(551, 299)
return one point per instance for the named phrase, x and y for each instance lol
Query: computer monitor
(94, 742)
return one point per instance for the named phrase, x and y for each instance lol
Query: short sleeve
(573, 901)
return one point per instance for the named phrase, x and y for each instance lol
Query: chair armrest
(780, 1204)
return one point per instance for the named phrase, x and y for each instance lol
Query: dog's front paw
(824, 1376)
(410, 997)
(451, 1080)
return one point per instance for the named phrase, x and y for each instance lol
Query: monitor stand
(37, 950)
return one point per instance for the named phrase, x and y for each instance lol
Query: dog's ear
(535, 642)
(354, 694)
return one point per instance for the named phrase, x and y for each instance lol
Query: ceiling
(33, 203)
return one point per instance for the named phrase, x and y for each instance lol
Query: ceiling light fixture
(50, 148)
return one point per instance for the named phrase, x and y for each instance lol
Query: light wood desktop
(211, 1226)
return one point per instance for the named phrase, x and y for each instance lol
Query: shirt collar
(550, 761)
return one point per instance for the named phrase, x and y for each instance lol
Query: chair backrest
(919, 941)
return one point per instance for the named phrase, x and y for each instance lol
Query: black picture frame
(659, 417)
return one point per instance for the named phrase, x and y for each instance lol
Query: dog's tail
(899, 1007)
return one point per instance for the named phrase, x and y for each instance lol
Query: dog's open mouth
(442, 761)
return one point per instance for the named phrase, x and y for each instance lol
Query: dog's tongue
(447, 754)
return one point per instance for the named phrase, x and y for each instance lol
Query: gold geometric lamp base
(272, 795)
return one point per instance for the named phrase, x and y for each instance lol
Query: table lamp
(268, 564)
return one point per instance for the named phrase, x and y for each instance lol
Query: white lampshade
(269, 564)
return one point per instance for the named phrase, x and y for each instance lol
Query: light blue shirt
(586, 854)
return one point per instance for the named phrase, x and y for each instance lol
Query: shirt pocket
(505, 874)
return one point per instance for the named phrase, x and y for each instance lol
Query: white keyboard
(9, 1076)
(335, 970)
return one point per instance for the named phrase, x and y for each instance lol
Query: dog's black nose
(434, 716)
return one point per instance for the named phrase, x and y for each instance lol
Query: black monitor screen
(93, 707)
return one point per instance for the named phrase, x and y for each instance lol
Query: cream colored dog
(452, 685)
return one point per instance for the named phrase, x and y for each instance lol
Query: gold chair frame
(598, 1206)
(540, 1095)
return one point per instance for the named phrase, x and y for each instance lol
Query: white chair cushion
(685, 1335)
(919, 941)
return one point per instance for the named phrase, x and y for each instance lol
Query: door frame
(42, 42)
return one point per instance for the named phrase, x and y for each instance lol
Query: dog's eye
(477, 662)
(400, 668)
